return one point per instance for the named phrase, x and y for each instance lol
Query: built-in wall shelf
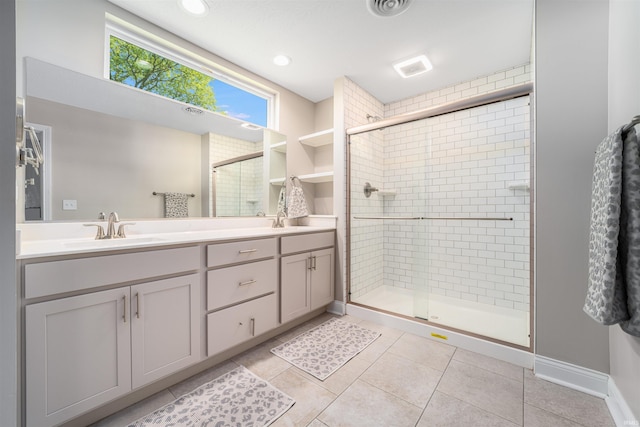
(280, 147)
(316, 178)
(318, 139)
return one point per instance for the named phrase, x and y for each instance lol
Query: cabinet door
(165, 330)
(294, 288)
(77, 355)
(322, 277)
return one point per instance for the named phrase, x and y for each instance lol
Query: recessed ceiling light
(281, 60)
(413, 66)
(195, 7)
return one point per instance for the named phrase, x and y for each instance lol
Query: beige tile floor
(402, 380)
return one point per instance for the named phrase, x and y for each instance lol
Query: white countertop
(54, 239)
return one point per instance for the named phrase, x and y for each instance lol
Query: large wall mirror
(110, 147)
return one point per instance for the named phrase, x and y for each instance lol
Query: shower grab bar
(434, 218)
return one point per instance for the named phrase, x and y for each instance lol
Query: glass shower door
(387, 237)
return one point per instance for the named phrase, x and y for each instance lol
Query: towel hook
(634, 121)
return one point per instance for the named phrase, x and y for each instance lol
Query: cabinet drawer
(235, 252)
(306, 242)
(230, 285)
(234, 325)
(50, 278)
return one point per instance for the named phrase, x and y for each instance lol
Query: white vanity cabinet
(99, 325)
(241, 292)
(307, 274)
(85, 350)
(78, 355)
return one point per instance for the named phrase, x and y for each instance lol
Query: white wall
(571, 119)
(624, 103)
(8, 289)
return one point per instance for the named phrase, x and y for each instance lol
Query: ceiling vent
(193, 110)
(413, 66)
(387, 8)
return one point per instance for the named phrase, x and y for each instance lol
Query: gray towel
(629, 239)
(614, 240)
(175, 205)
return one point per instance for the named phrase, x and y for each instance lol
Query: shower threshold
(495, 322)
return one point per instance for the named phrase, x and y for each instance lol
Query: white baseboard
(337, 307)
(576, 377)
(587, 381)
(618, 407)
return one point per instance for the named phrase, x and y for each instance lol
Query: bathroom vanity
(102, 321)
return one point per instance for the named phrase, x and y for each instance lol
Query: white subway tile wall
(366, 165)
(463, 164)
(238, 186)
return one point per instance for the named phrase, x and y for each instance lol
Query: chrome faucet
(279, 221)
(111, 229)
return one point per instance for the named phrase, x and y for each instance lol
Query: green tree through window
(138, 67)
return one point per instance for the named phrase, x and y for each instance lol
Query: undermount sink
(102, 243)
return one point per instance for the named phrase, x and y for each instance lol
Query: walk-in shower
(439, 208)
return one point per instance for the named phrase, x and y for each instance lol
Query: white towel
(297, 205)
(175, 205)
(614, 239)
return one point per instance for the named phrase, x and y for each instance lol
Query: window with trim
(139, 67)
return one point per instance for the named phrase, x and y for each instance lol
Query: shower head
(387, 8)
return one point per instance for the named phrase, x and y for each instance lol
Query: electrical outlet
(69, 205)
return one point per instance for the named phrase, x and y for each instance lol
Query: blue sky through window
(240, 104)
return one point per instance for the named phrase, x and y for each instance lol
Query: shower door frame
(452, 107)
